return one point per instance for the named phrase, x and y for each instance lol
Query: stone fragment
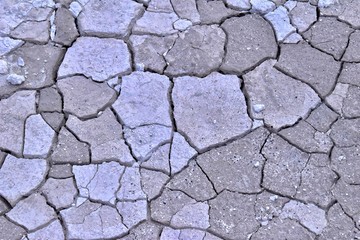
(330, 35)
(182, 24)
(13, 112)
(83, 97)
(145, 230)
(3, 67)
(293, 38)
(322, 118)
(192, 47)
(268, 207)
(132, 212)
(32, 31)
(271, 88)
(75, 8)
(225, 119)
(66, 31)
(9, 230)
(168, 204)
(60, 193)
(50, 100)
(89, 54)
(181, 153)
(345, 132)
(283, 229)
(54, 119)
(15, 79)
(170, 233)
(194, 215)
(92, 221)
(152, 182)
(345, 162)
(228, 212)
(146, 139)
(187, 9)
(351, 108)
(158, 23)
(69, 149)
(130, 185)
(215, 11)
(54, 230)
(345, 10)
(32, 212)
(352, 51)
(29, 175)
(110, 18)
(336, 99)
(262, 6)
(251, 40)
(159, 159)
(160, 6)
(326, 3)
(349, 74)
(149, 50)
(280, 20)
(4, 207)
(193, 182)
(303, 62)
(138, 106)
(60, 171)
(303, 16)
(238, 4)
(282, 171)
(236, 166)
(8, 44)
(104, 137)
(39, 137)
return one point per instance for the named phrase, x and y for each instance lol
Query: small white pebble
(15, 79)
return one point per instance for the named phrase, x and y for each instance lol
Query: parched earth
(179, 119)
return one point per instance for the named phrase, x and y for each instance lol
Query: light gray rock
(54, 230)
(238, 4)
(138, 106)
(344, 132)
(352, 53)
(311, 66)
(238, 165)
(349, 74)
(75, 8)
(170, 233)
(193, 182)
(21, 177)
(336, 99)
(69, 150)
(149, 50)
(32, 212)
(194, 215)
(13, 112)
(66, 31)
(83, 97)
(279, 18)
(228, 212)
(3, 207)
(192, 47)
(54, 119)
(60, 171)
(9, 230)
(152, 182)
(159, 159)
(303, 15)
(267, 86)
(158, 23)
(110, 18)
(60, 193)
(346, 11)
(282, 170)
(186, 9)
(251, 40)
(89, 54)
(49, 100)
(262, 6)
(32, 31)
(225, 119)
(15, 79)
(345, 162)
(130, 185)
(3, 67)
(322, 118)
(326, 3)
(144, 230)
(182, 24)
(293, 38)
(8, 44)
(132, 212)
(39, 137)
(104, 137)
(93, 221)
(216, 11)
(160, 6)
(181, 153)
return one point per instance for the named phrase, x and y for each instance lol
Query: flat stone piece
(228, 212)
(50, 100)
(54, 119)
(236, 166)
(345, 162)
(132, 212)
(32, 31)
(9, 230)
(8, 44)
(262, 6)
(168, 204)
(159, 159)
(37, 67)
(349, 74)
(283, 229)
(238, 4)
(303, 15)
(158, 23)
(110, 18)
(69, 149)
(282, 171)
(317, 69)
(345, 132)
(250, 41)
(29, 175)
(59, 192)
(269, 92)
(187, 9)
(160, 6)
(280, 20)
(193, 215)
(104, 136)
(93, 221)
(224, 119)
(345, 10)
(39, 137)
(149, 50)
(144, 230)
(352, 53)
(322, 118)
(83, 97)
(130, 185)
(60, 171)
(96, 58)
(193, 182)
(214, 11)
(32, 212)
(137, 105)
(192, 47)
(330, 35)
(152, 182)
(66, 31)
(181, 153)
(13, 113)
(336, 99)
(54, 230)
(351, 108)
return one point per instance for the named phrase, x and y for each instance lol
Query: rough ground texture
(179, 119)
